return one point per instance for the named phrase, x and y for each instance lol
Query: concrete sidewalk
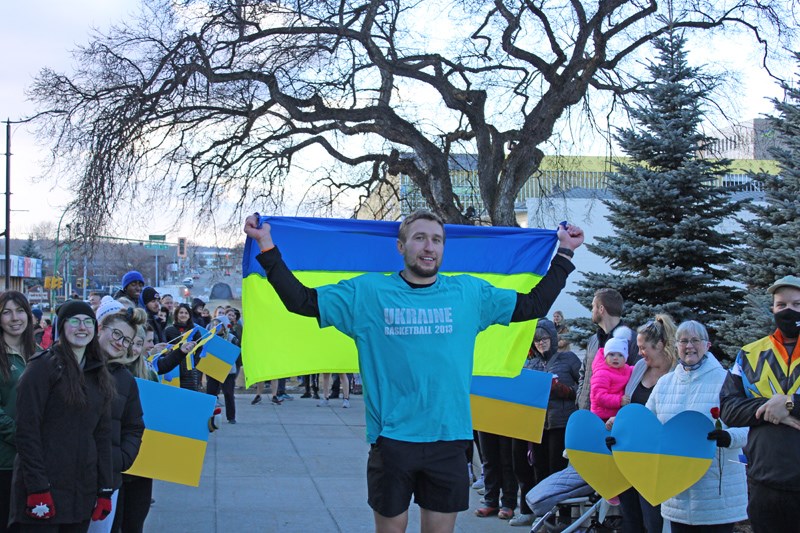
(293, 468)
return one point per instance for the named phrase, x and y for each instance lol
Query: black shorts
(434, 472)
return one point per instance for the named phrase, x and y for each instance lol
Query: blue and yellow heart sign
(658, 460)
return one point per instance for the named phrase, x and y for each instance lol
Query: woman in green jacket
(16, 329)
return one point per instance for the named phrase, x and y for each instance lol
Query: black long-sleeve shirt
(302, 300)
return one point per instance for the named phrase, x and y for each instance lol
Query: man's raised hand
(260, 234)
(569, 236)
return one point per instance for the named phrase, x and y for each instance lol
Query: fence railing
(546, 183)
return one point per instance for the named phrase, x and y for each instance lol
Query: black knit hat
(70, 309)
(148, 295)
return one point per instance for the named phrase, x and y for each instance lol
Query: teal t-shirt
(415, 348)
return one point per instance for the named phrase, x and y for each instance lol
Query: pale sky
(39, 33)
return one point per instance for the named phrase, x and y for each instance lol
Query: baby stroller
(565, 503)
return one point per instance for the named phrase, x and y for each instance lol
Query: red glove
(102, 508)
(40, 505)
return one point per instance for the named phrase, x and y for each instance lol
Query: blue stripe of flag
(175, 411)
(369, 246)
(530, 388)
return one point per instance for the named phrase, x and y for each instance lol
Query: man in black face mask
(761, 391)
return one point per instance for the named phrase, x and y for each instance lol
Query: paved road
(293, 468)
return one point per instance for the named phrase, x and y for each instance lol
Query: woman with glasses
(16, 328)
(116, 336)
(656, 343)
(719, 499)
(63, 471)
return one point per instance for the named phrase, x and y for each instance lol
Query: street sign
(154, 246)
(158, 237)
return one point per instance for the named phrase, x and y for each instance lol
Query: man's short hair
(611, 300)
(419, 214)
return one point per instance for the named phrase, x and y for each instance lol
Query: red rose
(715, 413)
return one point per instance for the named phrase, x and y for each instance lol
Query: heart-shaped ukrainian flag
(661, 460)
(585, 441)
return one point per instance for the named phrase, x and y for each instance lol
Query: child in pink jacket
(610, 374)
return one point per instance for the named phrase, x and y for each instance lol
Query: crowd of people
(71, 418)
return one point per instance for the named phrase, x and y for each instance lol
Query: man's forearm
(540, 299)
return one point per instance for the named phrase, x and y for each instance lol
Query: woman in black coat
(63, 471)
(117, 331)
(182, 322)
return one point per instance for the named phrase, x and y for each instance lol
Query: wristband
(566, 251)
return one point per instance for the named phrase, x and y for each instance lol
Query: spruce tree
(771, 238)
(29, 249)
(667, 251)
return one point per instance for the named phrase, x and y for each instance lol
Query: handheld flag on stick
(279, 344)
(512, 407)
(176, 433)
(218, 356)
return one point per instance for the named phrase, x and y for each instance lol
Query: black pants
(228, 387)
(312, 383)
(523, 472)
(133, 504)
(498, 473)
(548, 456)
(638, 515)
(5, 498)
(772, 510)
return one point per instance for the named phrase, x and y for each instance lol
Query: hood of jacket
(547, 326)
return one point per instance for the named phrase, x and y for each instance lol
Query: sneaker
(232, 421)
(276, 400)
(315, 395)
(285, 396)
(521, 520)
(323, 403)
(306, 395)
(256, 400)
(478, 484)
(482, 491)
(345, 403)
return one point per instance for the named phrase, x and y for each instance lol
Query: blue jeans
(638, 515)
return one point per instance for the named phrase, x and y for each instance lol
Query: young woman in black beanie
(63, 471)
(16, 330)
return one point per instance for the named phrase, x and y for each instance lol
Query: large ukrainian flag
(319, 251)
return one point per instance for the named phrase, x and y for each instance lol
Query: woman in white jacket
(719, 498)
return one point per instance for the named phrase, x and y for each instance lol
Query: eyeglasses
(541, 339)
(696, 342)
(120, 337)
(76, 322)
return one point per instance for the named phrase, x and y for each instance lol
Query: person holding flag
(416, 386)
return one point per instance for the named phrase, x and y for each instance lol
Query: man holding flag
(415, 334)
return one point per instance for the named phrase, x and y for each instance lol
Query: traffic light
(48, 282)
(79, 283)
(181, 246)
(58, 282)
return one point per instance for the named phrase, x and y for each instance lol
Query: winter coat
(773, 451)
(702, 504)
(60, 447)
(189, 378)
(566, 366)
(127, 424)
(607, 386)
(597, 341)
(8, 411)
